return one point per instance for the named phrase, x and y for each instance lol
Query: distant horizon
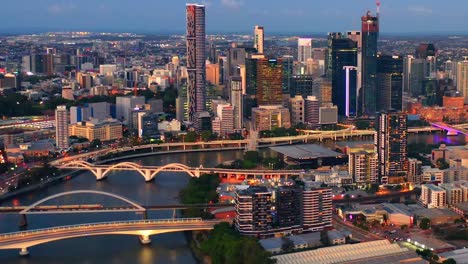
(28, 31)
(397, 17)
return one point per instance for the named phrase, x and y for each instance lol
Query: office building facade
(304, 49)
(391, 144)
(259, 32)
(344, 90)
(196, 82)
(390, 83)
(61, 127)
(370, 35)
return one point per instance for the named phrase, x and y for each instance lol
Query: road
(357, 232)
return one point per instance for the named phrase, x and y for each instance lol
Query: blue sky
(301, 16)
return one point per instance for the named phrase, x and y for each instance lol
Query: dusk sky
(297, 16)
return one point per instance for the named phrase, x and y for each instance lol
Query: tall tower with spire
(370, 35)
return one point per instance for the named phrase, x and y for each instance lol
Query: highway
(357, 232)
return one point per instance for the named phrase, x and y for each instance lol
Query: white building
(296, 106)
(304, 49)
(363, 167)
(433, 196)
(61, 129)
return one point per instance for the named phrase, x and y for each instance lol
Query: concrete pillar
(23, 221)
(174, 213)
(197, 172)
(147, 175)
(24, 252)
(99, 174)
(145, 239)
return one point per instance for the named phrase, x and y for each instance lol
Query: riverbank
(58, 179)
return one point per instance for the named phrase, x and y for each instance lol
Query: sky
(277, 16)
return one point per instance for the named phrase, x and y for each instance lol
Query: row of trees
(198, 191)
(226, 246)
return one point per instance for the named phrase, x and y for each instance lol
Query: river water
(165, 248)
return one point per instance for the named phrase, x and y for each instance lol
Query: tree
(206, 135)
(95, 143)
(442, 164)
(449, 261)
(385, 218)
(190, 137)
(253, 156)
(324, 238)
(226, 246)
(425, 223)
(404, 227)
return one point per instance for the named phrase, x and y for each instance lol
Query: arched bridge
(149, 172)
(144, 228)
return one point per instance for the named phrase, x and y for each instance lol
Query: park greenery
(252, 159)
(226, 246)
(200, 190)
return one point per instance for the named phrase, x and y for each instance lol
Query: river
(165, 248)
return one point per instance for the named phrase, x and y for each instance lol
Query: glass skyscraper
(344, 53)
(370, 35)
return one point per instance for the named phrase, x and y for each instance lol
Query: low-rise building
(336, 237)
(107, 130)
(433, 196)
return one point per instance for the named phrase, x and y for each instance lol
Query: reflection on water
(165, 248)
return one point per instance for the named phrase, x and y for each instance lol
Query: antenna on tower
(378, 8)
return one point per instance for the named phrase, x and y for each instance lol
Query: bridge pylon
(145, 239)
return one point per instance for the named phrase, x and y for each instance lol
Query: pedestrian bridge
(143, 229)
(150, 172)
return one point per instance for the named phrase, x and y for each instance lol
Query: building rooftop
(352, 253)
(433, 187)
(307, 151)
(459, 255)
(397, 208)
(462, 206)
(273, 243)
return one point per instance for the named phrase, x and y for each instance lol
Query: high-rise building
(125, 104)
(356, 36)
(344, 90)
(390, 83)
(433, 196)
(202, 122)
(462, 78)
(212, 73)
(414, 170)
(288, 206)
(302, 85)
(370, 35)
(225, 112)
(259, 39)
(268, 117)
(363, 167)
(288, 66)
(329, 59)
(317, 209)
(237, 102)
(61, 127)
(454, 193)
(296, 107)
(391, 143)
(254, 211)
(304, 49)
(196, 83)
(407, 64)
(269, 82)
(311, 112)
(425, 50)
(421, 70)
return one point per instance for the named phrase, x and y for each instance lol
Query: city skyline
(232, 16)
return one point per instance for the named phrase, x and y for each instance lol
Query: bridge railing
(62, 228)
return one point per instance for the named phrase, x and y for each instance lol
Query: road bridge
(150, 172)
(143, 229)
